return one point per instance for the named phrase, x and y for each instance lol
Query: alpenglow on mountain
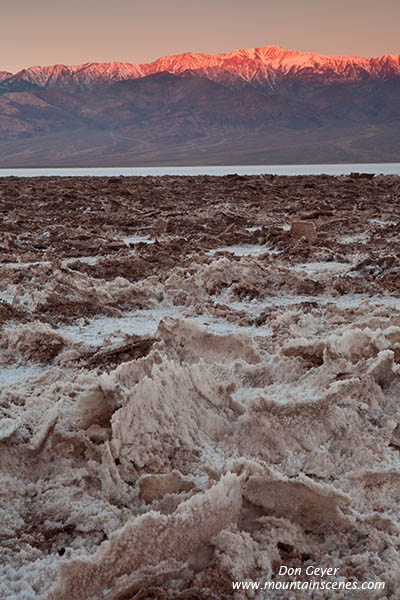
(261, 105)
(257, 66)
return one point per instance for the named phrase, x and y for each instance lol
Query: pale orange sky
(43, 32)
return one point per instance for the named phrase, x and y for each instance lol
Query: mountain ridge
(262, 66)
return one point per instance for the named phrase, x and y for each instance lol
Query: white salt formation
(172, 423)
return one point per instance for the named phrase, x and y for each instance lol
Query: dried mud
(199, 383)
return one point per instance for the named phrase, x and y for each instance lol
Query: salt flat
(190, 391)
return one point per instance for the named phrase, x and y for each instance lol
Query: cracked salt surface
(353, 238)
(252, 229)
(141, 322)
(15, 373)
(221, 325)
(90, 260)
(313, 267)
(19, 265)
(244, 395)
(383, 222)
(11, 295)
(7, 296)
(243, 250)
(145, 322)
(345, 301)
(136, 239)
(354, 300)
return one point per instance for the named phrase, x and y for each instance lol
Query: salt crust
(303, 454)
(289, 439)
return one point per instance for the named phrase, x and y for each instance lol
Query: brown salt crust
(71, 293)
(155, 487)
(32, 341)
(9, 312)
(304, 229)
(302, 500)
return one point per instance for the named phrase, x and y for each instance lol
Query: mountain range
(262, 105)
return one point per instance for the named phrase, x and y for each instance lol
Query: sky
(45, 32)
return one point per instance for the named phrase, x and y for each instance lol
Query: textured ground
(193, 393)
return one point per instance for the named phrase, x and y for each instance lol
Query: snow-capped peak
(261, 66)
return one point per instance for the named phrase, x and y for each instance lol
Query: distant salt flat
(312, 169)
